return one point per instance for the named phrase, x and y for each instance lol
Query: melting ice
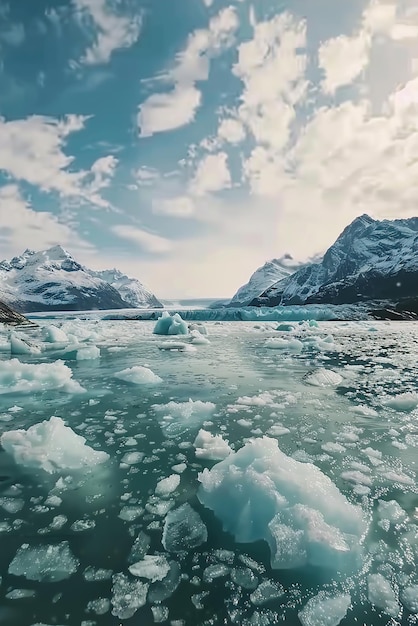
(241, 473)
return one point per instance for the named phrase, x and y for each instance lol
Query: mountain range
(53, 280)
(371, 260)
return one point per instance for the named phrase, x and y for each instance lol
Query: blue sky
(188, 141)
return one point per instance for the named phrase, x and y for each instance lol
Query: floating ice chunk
(285, 328)
(81, 525)
(382, 595)
(391, 511)
(159, 613)
(88, 353)
(19, 594)
(19, 346)
(177, 346)
(178, 417)
(165, 486)
(363, 409)
(161, 590)
(51, 446)
(11, 505)
(290, 345)
(332, 446)
(179, 468)
(99, 606)
(170, 325)
(44, 563)
(127, 596)
(356, 477)
(197, 338)
(139, 376)
(313, 522)
(52, 334)
(17, 377)
(322, 610)
(93, 574)
(151, 567)
(130, 513)
(409, 598)
(217, 570)
(140, 547)
(277, 430)
(132, 458)
(210, 446)
(244, 577)
(201, 328)
(183, 530)
(267, 591)
(324, 378)
(403, 402)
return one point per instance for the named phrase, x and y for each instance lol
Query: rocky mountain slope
(370, 260)
(54, 280)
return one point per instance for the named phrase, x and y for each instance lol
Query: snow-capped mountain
(54, 280)
(131, 290)
(271, 272)
(370, 260)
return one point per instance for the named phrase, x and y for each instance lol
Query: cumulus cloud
(173, 109)
(181, 206)
(231, 130)
(212, 174)
(109, 29)
(343, 59)
(146, 241)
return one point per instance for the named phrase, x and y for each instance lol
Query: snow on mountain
(54, 280)
(131, 290)
(371, 259)
(265, 276)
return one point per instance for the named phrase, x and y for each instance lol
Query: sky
(186, 142)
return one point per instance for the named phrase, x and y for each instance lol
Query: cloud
(109, 29)
(231, 130)
(177, 107)
(181, 207)
(13, 35)
(148, 242)
(166, 111)
(343, 59)
(32, 150)
(212, 175)
(24, 226)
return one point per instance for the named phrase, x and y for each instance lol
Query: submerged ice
(261, 493)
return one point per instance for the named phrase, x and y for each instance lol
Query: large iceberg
(17, 377)
(51, 446)
(171, 325)
(261, 493)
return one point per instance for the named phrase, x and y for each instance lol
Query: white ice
(151, 567)
(261, 493)
(211, 447)
(170, 325)
(178, 417)
(382, 595)
(139, 375)
(17, 377)
(324, 378)
(50, 563)
(128, 595)
(322, 610)
(51, 446)
(88, 353)
(165, 486)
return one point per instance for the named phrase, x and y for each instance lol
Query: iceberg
(211, 447)
(51, 446)
(139, 375)
(17, 377)
(171, 325)
(261, 493)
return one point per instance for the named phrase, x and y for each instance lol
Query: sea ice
(52, 334)
(403, 402)
(322, 610)
(88, 353)
(17, 377)
(128, 595)
(170, 325)
(50, 563)
(210, 446)
(183, 530)
(51, 446)
(139, 376)
(19, 346)
(198, 339)
(261, 493)
(290, 345)
(165, 486)
(323, 378)
(151, 567)
(267, 591)
(409, 598)
(176, 346)
(178, 417)
(391, 511)
(199, 327)
(382, 595)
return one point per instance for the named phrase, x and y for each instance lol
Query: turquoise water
(256, 391)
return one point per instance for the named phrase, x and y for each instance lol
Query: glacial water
(340, 396)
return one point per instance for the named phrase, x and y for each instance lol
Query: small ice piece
(217, 570)
(151, 567)
(132, 458)
(50, 563)
(409, 598)
(289, 345)
(51, 446)
(244, 577)
(161, 590)
(81, 525)
(165, 486)
(176, 346)
(128, 595)
(183, 530)
(170, 325)
(130, 513)
(17, 377)
(21, 346)
(139, 375)
(278, 430)
(88, 353)
(140, 547)
(363, 409)
(19, 594)
(382, 595)
(178, 417)
(11, 505)
(159, 613)
(99, 606)
(267, 591)
(391, 511)
(323, 378)
(322, 610)
(332, 446)
(93, 574)
(198, 339)
(52, 334)
(201, 328)
(179, 468)
(356, 477)
(210, 446)
(403, 402)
